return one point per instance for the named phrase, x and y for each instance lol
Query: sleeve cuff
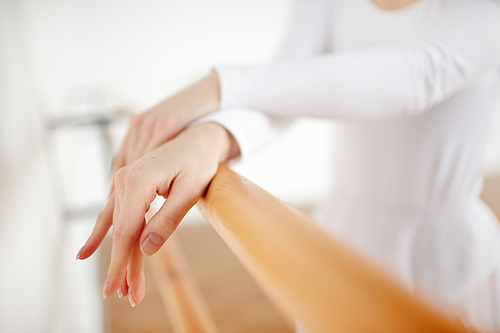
(230, 87)
(250, 128)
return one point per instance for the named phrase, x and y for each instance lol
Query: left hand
(165, 120)
(180, 171)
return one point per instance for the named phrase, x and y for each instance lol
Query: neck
(393, 4)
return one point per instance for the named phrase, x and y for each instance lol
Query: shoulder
(470, 17)
(470, 27)
(486, 10)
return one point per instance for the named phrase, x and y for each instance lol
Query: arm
(164, 121)
(149, 134)
(402, 80)
(305, 36)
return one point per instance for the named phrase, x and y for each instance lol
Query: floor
(491, 194)
(236, 303)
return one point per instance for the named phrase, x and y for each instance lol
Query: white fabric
(414, 90)
(238, 120)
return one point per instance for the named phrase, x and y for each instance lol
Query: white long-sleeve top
(413, 91)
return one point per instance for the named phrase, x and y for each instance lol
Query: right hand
(179, 170)
(147, 132)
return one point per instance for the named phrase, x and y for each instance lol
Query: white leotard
(413, 91)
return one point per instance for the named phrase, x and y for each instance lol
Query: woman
(412, 83)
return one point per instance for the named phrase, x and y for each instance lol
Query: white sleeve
(373, 82)
(305, 36)
(307, 31)
(250, 128)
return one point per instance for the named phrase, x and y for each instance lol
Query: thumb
(179, 201)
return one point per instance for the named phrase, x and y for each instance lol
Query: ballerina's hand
(180, 171)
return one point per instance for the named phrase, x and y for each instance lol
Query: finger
(126, 230)
(118, 163)
(181, 198)
(123, 290)
(133, 134)
(116, 212)
(120, 159)
(143, 137)
(102, 225)
(116, 208)
(162, 133)
(135, 275)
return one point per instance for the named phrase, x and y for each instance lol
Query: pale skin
(160, 155)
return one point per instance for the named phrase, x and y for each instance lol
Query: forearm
(167, 119)
(193, 102)
(356, 84)
(204, 96)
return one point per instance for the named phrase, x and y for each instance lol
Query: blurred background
(70, 72)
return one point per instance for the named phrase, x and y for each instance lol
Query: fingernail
(79, 254)
(131, 299)
(152, 244)
(105, 288)
(120, 292)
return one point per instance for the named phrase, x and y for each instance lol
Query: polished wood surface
(311, 275)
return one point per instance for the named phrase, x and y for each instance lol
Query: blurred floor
(236, 303)
(491, 194)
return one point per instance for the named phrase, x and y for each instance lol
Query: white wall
(137, 54)
(26, 259)
(144, 51)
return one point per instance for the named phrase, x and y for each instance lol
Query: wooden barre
(311, 275)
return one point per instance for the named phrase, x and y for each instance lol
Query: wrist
(204, 96)
(218, 140)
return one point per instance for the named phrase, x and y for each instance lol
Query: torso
(406, 189)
